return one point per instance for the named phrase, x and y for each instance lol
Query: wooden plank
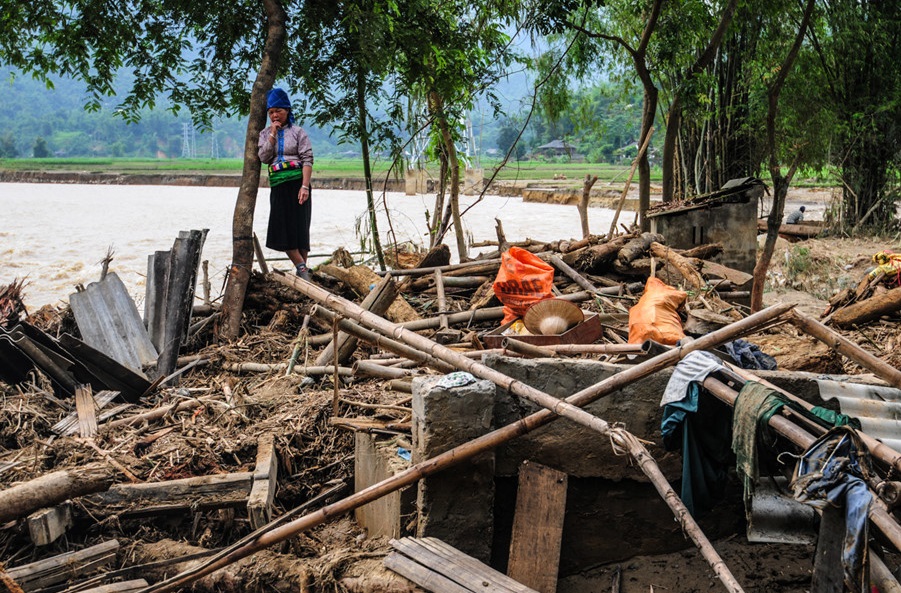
(46, 525)
(538, 527)
(64, 567)
(422, 575)
(265, 478)
(87, 414)
(155, 296)
(457, 566)
(215, 491)
(261, 259)
(828, 574)
(68, 425)
(475, 566)
(120, 587)
(183, 264)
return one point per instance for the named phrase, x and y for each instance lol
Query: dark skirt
(289, 222)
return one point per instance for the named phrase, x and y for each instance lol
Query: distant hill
(30, 110)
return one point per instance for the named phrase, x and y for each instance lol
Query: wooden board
(64, 567)
(538, 527)
(441, 568)
(265, 479)
(214, 491)
(86, 410)
(46, 525)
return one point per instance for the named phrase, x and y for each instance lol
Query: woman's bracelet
(306, 187)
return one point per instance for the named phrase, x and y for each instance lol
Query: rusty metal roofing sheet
(877, 407)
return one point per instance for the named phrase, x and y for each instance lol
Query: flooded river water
(55, 236)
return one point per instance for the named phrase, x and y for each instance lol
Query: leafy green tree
(858, 44)
(39, 150)
(8, 148)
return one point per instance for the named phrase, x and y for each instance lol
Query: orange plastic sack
(654, 316)
(522, 281)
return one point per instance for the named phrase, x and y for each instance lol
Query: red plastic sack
(522, 281)
(654, 316)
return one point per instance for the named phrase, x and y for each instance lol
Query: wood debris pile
(249, 430)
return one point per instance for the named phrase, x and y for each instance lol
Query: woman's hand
(303, 195)
(273, 131)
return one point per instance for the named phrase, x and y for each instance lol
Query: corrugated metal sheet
(109, 322)
(878, 408)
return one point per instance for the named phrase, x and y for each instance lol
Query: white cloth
(694, 367)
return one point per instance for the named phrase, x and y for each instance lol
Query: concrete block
(455, 505)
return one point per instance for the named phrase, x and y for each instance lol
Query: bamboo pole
(622, 198)
(573, 275)
(485, 442)
(442, 301)
(847, 348)
(380, 341)
(370, 369)
(526, 349)
(803, 439)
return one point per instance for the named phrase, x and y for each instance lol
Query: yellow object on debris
(887, 263)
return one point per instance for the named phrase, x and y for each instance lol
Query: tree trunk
(367, 169)
(242, 221)
(583, 203)
(437, 107)
(675, 112)
(780, 182)
(52, 489)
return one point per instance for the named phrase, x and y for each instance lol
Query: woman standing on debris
(286, 148)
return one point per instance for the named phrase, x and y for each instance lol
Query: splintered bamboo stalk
(488, 441)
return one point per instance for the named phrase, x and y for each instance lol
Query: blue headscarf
(279, 98)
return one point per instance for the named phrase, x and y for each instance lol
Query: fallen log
(360, 278)
(736, 277)
(705, 251)
(638, 246)
(869, 309)
(686, 269)
(52, 489)
(595, 259)
(798, 231)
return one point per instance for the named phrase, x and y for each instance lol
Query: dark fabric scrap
(750, 356)
(701, 427)
(833, 471)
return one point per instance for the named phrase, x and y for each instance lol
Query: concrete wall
(733, 225)
(455, 505)
(612, 512)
